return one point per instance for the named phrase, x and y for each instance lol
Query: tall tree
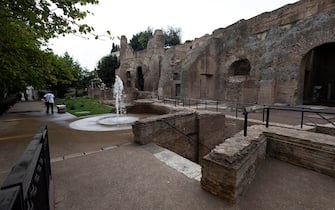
(27, 25)
(106, 69)
(48, 18)
(172, 36)
(140, 40)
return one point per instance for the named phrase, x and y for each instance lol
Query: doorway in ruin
(319, 80)
(240, 67)
(139, 78)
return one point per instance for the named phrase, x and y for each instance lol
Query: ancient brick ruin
(231, 166)
(283, 56)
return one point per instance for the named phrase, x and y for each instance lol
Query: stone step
(175, 161)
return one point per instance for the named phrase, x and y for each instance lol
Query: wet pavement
(106, 170)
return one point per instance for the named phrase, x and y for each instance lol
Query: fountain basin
(116, 120)
(105, 122)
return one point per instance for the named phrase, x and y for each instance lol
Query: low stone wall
(188, 133)
(228, 169)
(231, 166)
(314, 151)
(149, 107)
(330, 129)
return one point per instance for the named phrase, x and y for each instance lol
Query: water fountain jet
(118, 121)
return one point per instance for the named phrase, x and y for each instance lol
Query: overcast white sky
(128, 17)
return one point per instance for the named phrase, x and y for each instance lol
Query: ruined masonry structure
(284, 56)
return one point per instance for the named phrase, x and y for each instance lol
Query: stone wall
(231, 166)
(273, 45)
(190, 134)
(330, 130)
(101, 94)
(313, 151)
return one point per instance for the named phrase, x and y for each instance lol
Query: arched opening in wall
(319, 80)
(139, 78)
(240, 67)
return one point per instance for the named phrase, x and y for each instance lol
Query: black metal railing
(207, 104)
(28, 184)
(266, 114)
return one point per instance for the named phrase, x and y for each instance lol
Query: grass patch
(83, 106)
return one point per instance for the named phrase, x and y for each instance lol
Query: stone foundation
(330, 129)
(231, 166)
(188, 133)
(313, 151)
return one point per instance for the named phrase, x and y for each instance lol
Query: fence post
(263, 115)
(267, 117)
(245, 123)
(302, 119)
(217, 106)
(236, 107)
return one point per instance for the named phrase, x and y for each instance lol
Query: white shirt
(49, 97)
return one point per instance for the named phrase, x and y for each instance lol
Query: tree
(172, 36)
(140, 40)
(63, 73)
(48, 18)
(26, 26)
(115, 48)
(106, 69)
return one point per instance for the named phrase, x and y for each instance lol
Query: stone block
(314, 151)
(61, 108)
(231, 166)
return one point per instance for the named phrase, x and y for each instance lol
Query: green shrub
(82, 104)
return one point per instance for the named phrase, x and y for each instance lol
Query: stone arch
(240, 67)
(318, 66)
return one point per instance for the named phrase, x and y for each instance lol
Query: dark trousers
(50, 106)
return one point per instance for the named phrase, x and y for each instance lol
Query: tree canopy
(140, 40)
(106, 69)
(172, 36)
(48, 18)
(26, 27)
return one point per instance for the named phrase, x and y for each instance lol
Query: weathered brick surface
(330, 130)
(274, 43)
(190, 134)
(231, 166)
(313, 151)
(211, 131)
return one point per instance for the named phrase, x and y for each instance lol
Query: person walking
(49, 101)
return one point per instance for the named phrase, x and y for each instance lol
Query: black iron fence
(266, 113)
(28, 184)
(206, 104)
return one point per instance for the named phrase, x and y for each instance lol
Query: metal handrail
(28, 184)
(266, 109)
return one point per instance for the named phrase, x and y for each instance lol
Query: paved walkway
(106, 170)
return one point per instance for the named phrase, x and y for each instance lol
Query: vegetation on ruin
(82, 106)
(107, 66)
(140, 40)
(26, 27)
